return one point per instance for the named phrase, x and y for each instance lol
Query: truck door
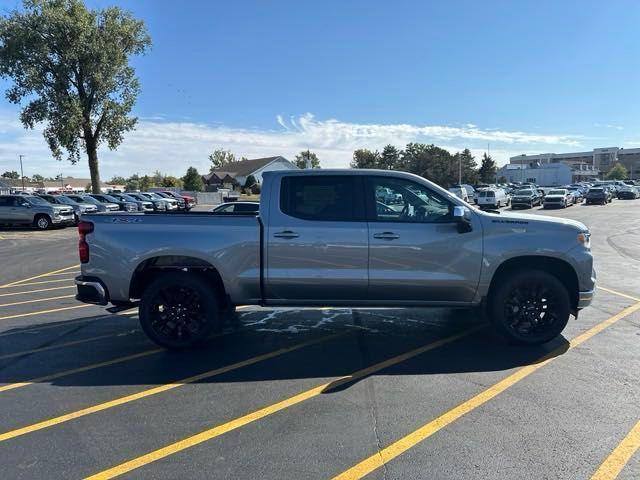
(316, 240)
(21, 210)
(416, 252)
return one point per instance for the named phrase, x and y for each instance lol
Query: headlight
(585, 239)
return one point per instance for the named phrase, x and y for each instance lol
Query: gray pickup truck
(35, 211)
(324, 238)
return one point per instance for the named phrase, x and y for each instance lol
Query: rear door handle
(386, 236)
(286, 234)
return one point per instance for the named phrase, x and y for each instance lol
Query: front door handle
(286, 234)
(386, 236)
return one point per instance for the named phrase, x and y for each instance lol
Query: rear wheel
(42, 222)
(179, 310)
(530, 307)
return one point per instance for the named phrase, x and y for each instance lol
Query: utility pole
(21, 172)
(459, 169)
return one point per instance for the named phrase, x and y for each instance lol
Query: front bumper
(585, 298)
(91, 290)
(63, 219)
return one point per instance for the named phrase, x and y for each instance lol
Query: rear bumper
(91, 290)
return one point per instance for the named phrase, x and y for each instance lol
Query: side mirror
(462, 216)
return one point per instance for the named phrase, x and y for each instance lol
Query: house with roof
(235, 174)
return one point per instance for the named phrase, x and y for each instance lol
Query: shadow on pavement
(365, 338)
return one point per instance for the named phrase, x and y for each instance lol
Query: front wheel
(179, 310)
(42, 222)
(530, 307)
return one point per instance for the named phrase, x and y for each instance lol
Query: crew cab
(320, 238)
(32, 210)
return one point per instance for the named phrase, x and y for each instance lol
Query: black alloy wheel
(530, 307)
(179, 310)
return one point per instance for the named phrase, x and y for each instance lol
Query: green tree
(192, 180)
(364, 158)
(13, 174)
(431, 162)
(133, 183)
(488, 169)
(250, 182)
(37, 178)
(219, 158)
(469, 167)
(117, 180)
(145, 183)
(389, 158)
(71, 67)
(302, 157)
(169, 181)
(617, 172)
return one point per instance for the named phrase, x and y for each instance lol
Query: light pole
(21, 172)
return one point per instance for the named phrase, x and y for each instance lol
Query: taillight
(84, 228)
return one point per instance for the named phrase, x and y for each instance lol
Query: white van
(493, 198)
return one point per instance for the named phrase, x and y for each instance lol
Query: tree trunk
(92, 152)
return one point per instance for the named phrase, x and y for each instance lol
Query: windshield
(557, 192)
(127, 197)
(86, 199)
(153, 196)
(36, 201)
(65, 200)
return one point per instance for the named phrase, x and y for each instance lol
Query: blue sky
(268, 78)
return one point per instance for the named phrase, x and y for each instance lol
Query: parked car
(558, 197)
(493, 198)
(578, 193)
(32, 210)
(123, 205)
(78, 208)
(525, 198)
(102, 207)
(160, 203)
(141, 205)
(598, 195)
(237, 207)
(471, 192)
(461, 193)
(628, 193)
(189, 201)
(320, 241)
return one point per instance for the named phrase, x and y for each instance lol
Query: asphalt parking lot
(318, 393)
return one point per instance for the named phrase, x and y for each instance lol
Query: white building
(600, 159)
(236, 173)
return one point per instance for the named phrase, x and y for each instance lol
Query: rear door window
(321, 198)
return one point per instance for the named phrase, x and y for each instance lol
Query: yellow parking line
(66, 344)
(42, 312)
(37, 328)
(93, 366)
(400, 446)
(36, 291)
(62, 274)
(620, 294)
(38, 276)
(37, 283)
(36, 300)
(161, 388)
(269, 410)
(613, 465)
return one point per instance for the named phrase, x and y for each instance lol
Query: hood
(553, 196)
(538, 220)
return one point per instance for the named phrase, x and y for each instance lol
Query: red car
(189, 201)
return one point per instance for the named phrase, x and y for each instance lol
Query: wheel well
(559, 268)
(38, 215)
(151, 268)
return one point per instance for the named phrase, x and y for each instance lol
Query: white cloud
(172, 146)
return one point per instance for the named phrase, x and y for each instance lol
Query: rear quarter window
(320, 198)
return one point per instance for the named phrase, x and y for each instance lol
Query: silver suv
(31, 210)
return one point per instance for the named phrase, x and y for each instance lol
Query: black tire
(530, 307)
(179, 310)
(42, 222)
